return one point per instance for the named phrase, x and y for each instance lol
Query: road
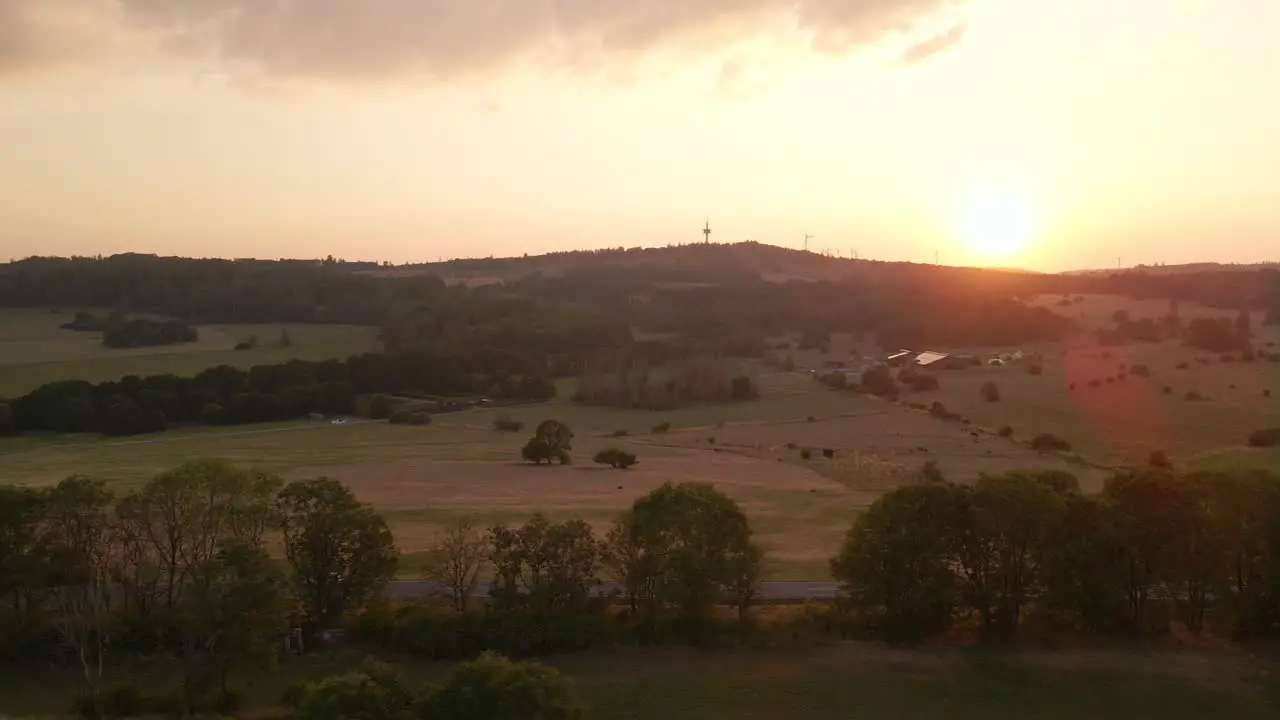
(795, 591)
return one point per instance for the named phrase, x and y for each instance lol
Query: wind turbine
(807, 238)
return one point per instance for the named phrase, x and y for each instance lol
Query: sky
(1045, 134)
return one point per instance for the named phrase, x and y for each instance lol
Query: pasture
(423, 477)
(34, 350)
(844, 680)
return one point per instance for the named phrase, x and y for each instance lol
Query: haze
(410, 130)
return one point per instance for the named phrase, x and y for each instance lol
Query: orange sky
(415, 129)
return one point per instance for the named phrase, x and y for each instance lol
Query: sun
(996, 223)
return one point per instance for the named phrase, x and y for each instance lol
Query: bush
(805, 453)
(879, 381)
(615, 458)
(494, 688)
(1047, 442)
(1005, 432)
(1193, 396)
(924, 383)
(1269, 437)
(661, 428)
(1035, 369)
(1180, 366)
(506, 424)
(619, 433)
(931, 473)
(410, 417)
(381, 407)
(1140, 370)
(1159, 459)
(990, 392)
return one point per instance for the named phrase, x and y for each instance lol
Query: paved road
(776, 591)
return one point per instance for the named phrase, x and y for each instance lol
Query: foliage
(547, 566)
(145, 332)
(374, 693)
(684, 548)
(340, 550)
(895, 563)
(1269, 437)
(1005, 431)
(990, 392)
(1048, 442)
(552, 440)
(495, 688)
(879, 381)
(457, 559)
(410, 417)
(931, 473)
(503, 423)
(616, 458)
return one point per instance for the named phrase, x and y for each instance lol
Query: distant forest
(553, 316)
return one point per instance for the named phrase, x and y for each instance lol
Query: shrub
(619, 433)
(661, 428)
(924, 383)
(1159, 459)
(1035, 369)
(990, 392)
(1168, 389)
(879, 381)
(1266, 393)
(616, 458)
(1193, 396)
(506, 424)
(805, 453)
(1140, 370)
(1047, 442)
(1006, 431)
(410, 417)
(1180, 366)
(381, 407)
(495, 687)
(1269, 437)
(930, 473)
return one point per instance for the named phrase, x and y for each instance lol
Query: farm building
(931, 357)
(902, 357)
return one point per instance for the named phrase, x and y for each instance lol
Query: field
(845, 680)
(34, 350)
(1126, 416)
(802, 460)
(422, 477)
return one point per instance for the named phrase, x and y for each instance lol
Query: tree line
(266, 393)
(180, 568)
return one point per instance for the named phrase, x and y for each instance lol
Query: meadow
(802, 460)
(863, 680)
(34, 350)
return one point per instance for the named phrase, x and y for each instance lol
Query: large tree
(340, 549)
(685, 547)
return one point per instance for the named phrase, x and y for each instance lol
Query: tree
(685, 547)
(552, 440)
(1004, 526)
(233, 611)
(21, 511)
(341, 550)
(456, 560)
(77, 542)
(615, 458)
(1149, 508)
(495, 688)
(8, 423)
(990, 392)
(285, 339)
(548, 566)
(895, 563)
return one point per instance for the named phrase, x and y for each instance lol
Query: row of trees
(266, 393)
(1204, 545)
(182, 567)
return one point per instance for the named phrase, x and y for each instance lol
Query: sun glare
(996, 224)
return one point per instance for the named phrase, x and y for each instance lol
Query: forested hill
(728, 296)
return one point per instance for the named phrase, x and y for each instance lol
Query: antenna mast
(706, 233)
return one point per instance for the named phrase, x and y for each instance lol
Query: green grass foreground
(853, 680)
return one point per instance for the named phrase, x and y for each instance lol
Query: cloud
(360, 40)
(926, 49)
(37, 36)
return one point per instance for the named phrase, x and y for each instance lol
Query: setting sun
(996, 223)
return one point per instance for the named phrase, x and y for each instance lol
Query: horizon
(1069, 136)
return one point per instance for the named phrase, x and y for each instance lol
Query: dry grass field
(422, 477)
(34, 350)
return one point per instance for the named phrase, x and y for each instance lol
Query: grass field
(848, 680)
(34, 350)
